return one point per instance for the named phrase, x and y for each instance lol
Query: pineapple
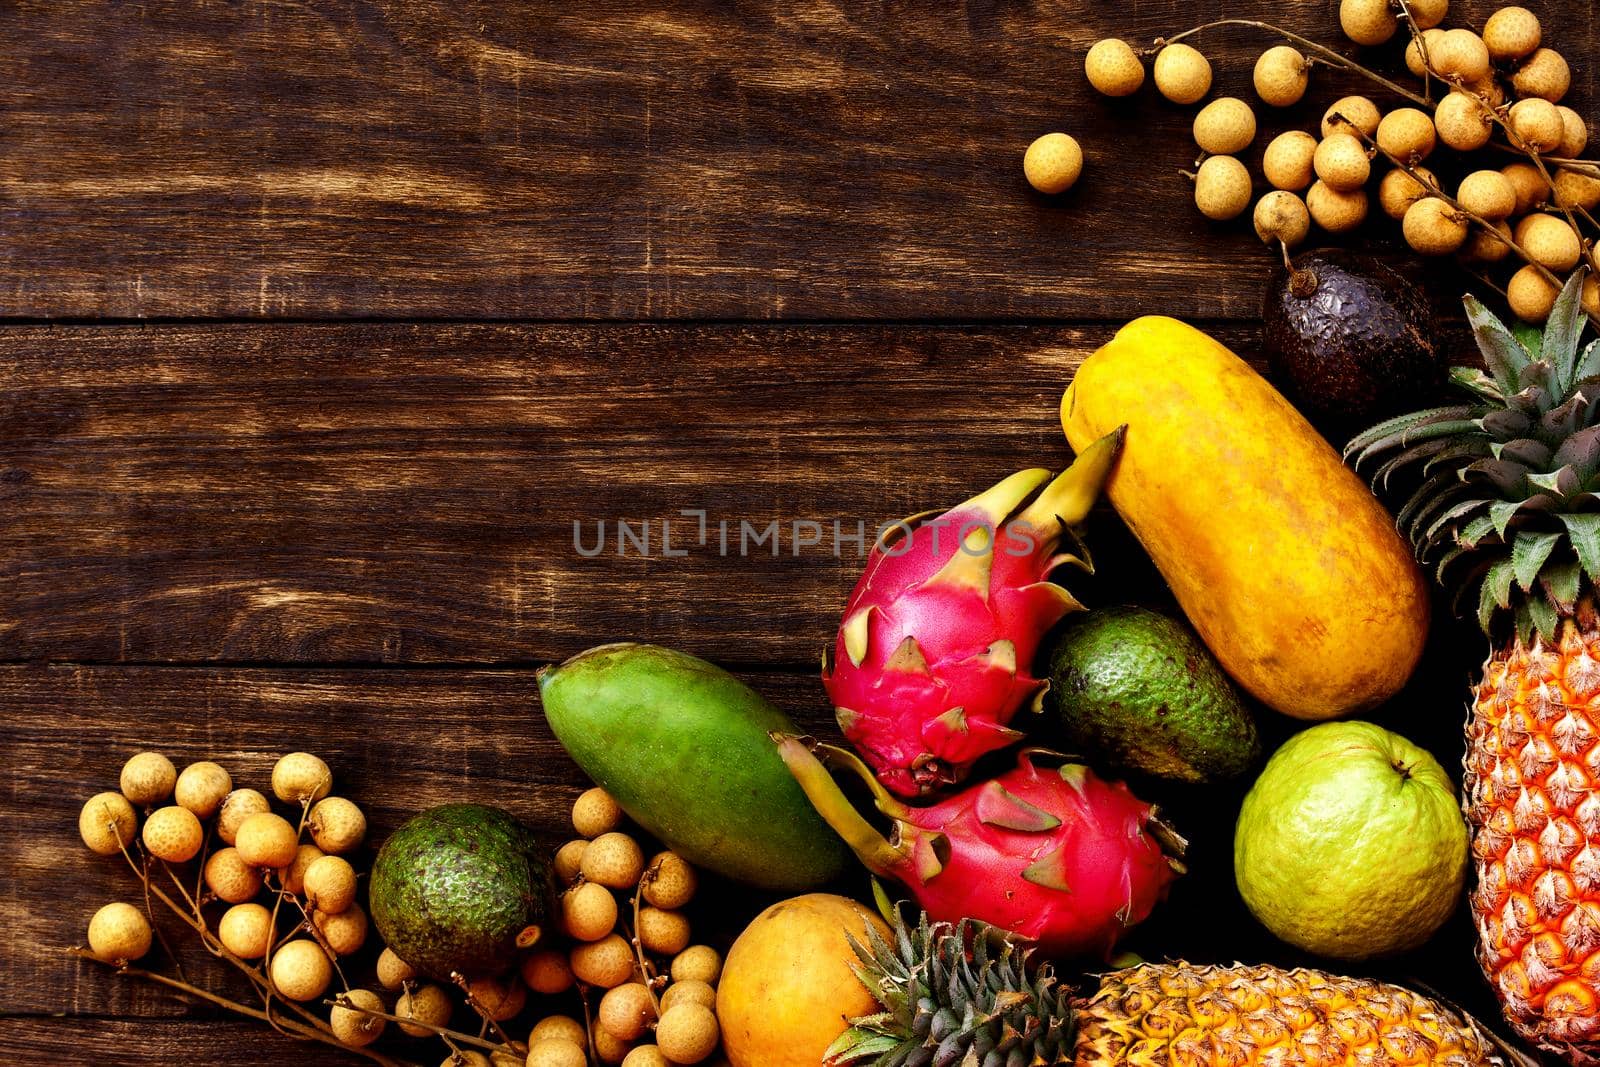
(1507, 508)
(966, 996)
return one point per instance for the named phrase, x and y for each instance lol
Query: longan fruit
(345, 931)
(238, 806)
(230, 879)
(1342, 163)
(1407, 133)
(588, 911)
(670, 881)
(427, 1003)
(1463, 122)
(547, 971)
(1574, 133)
(1488, 246)
(1591, 294)
(568, 861)
(356, 1028)
(687, 1033)
(1574, 189)
(697, 963)
(1420, 51)
(1281, 76)
(1225, 126)
(148, 778)
(595, 813)
(1053, 163)
(1356, 111)
(1460, 56)
(1334, 211)
(497, 999)
(294, 875)
(330, 885)
(336, 825)
(1537, 124)
(267, 840)
(608, 1048)
(1511, 33)
(1530, 186)
(1426, 14)
(201, 788)
(393, 972)
(173, 834)
(1550, 242)
(1434, 228)
(107, 823)
(1113, 69)
(646, 1056)
(1488, 193)
(691, 991)
(557, 1053)
(1530, 295)
(119, 933)
(614, 860)
(1399, 190)
(626, 1011)
(665, 933)
(1544, 74)
(1486, 89)
(1289, 160)
(558, 1028)
(1182, 74)
(1222, 188)
(301, 776)
(300, 970)
(1367, 22)
(245, 930)
(604, 963)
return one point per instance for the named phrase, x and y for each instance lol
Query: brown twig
(472, 1002)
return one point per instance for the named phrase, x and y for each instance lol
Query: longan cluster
(1500, 90)
(628, 939)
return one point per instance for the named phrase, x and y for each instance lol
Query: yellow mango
(1285, 563)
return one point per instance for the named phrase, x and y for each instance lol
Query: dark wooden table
(324, 323)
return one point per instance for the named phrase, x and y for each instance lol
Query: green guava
(1351, 844)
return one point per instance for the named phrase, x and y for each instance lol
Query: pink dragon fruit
(932, 658)
(1051, 853)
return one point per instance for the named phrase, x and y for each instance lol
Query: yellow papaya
(1285, 563)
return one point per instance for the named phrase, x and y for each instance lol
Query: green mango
(683, 746)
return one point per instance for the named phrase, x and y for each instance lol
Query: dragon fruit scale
(1047, 851)
(932, 658)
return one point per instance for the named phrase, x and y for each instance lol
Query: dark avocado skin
(1139, 690)
(1356, 346)
(453, 887)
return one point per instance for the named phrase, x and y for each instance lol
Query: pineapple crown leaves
(955, 995)
(1507, 495)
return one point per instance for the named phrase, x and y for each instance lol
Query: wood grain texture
(395, 494)
(618, 160)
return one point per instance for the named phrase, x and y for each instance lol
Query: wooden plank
(399, 740)
(123, 1042)
(622, 160)
(371, 493)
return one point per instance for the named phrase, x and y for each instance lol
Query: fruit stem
(309, 1033)
(472, 1002)
(871, 847)
(454, 1035)
(1067, 500)
(645, 970)
(1328, 54)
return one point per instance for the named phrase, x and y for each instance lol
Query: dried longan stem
(441, 1031)
(1433, 189)
(309, 1033)
(646, 971)
(472, 1002)
(200, 870)
(141, 871)
(316, 935)
(277, 900)
(1422, 49)
(1305, 42)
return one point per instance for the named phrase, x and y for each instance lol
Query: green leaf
(1563, 328)
(1588, 363)
(1475, 531)
(1498, 581)
(1486, 605)
(1584, 532)
(1386, 427)
(1543, 617)
(1501, 512)
(1504, 355)
(1530, 337)
(1528, 554)
(1477, 383)
(1562, 582)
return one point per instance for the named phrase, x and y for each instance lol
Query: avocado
(455, 887)
(1349, 339)
(1140, 691)
(683, 746)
